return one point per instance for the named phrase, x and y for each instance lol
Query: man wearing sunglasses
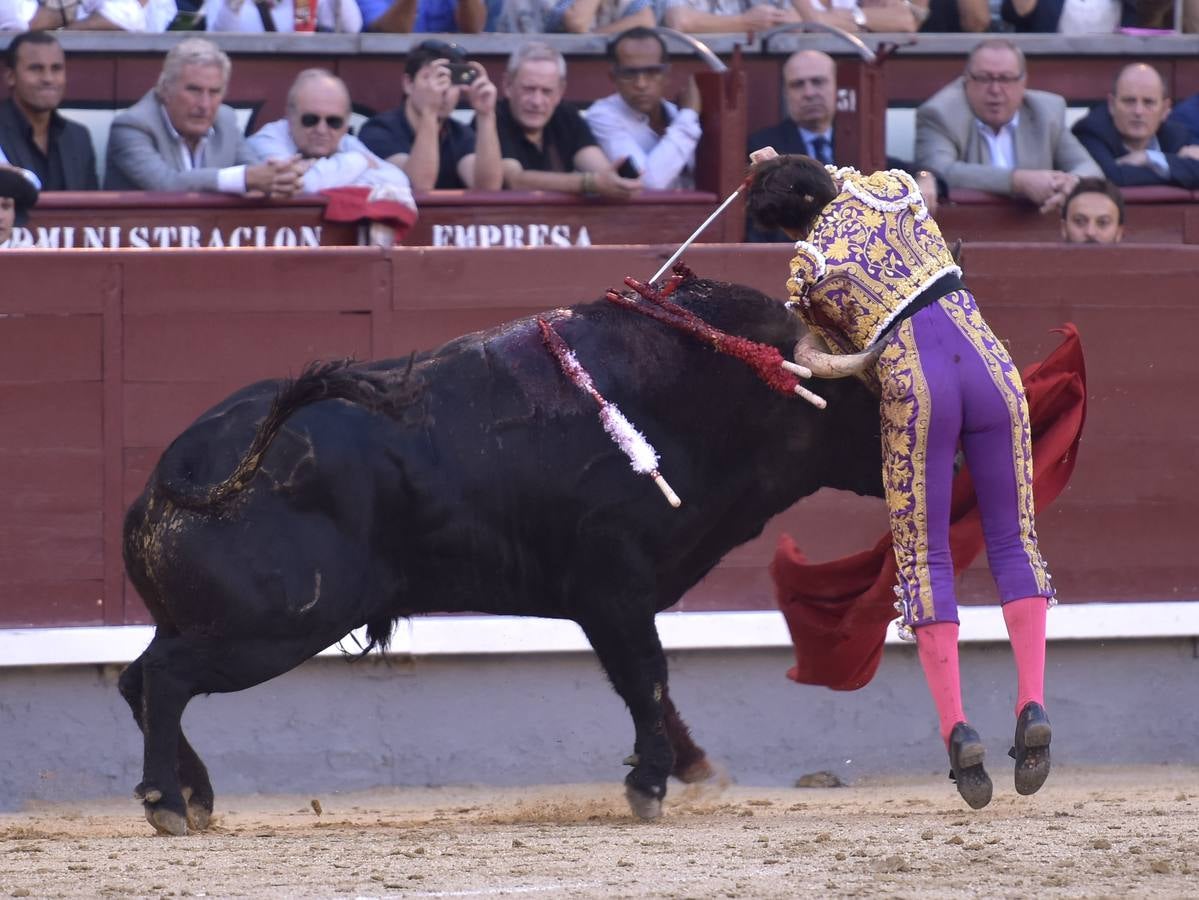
(636, 126)
(987, 132)
(434, 150)
(317, 129)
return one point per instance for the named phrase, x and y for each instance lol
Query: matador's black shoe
(966, 754)
(1031, 752)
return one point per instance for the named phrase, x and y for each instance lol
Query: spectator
(898, 16)
(636, 125)
(1186, 114)
(1069, 16)
(1130, 138)
(419, 136)
(701, 16)
(33, 134)
(1093, 213)
(87, 15)
(985, 131)
(430, 16)
(280, 15)
(181, 137)
(810, 94)
(317, 128)
(547, 145)
(575, 16)
(17, 194)
(954, 16)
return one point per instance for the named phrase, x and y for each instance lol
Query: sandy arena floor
(1088, 833)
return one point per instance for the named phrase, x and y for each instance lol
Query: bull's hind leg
(193, 775)
(175, 669)
(632, 656)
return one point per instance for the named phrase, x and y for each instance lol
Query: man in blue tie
(821, 148)
(810, 95)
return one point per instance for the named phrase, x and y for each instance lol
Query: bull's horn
(832, 365)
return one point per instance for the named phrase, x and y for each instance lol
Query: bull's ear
(955, 250)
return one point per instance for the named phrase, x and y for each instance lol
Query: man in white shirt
(150, 16)
(317, 129)
(644, 135)
(986, 131)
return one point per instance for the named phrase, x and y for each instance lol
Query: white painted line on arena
(465, 635)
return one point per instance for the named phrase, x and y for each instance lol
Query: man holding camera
(435, 151)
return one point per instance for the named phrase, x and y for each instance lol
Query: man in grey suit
(986, 131)
(181, 137)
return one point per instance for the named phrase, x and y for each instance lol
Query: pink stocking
(1026, 629)
(937, 646)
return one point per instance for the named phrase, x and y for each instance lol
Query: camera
(462, 73)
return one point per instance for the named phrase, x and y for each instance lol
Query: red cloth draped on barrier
(838, 611)
(353, 204)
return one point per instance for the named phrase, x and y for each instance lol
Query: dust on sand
(1128, 832)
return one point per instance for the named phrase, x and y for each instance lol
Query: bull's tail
(336, 380)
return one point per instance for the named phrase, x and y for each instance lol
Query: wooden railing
(507, 219)
(105, 357)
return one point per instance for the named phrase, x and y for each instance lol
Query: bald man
(317, 131)
(1130, 138)
(810, 94)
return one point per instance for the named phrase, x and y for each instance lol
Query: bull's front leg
(627, 645)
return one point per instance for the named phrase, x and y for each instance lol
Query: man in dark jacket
(810, 94)
(33, 135)
(1130, 138)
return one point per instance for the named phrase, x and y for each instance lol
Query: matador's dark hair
(789, 192)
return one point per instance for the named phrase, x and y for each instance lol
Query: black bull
(478, 478)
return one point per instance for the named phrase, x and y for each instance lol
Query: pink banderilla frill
(642, 456)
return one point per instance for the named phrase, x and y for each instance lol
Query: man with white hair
(181, 137)
(317, 129)
(547, 144)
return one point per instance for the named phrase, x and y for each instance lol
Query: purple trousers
(947, 379)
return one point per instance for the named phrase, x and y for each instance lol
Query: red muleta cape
(353, 204)
(838, 611)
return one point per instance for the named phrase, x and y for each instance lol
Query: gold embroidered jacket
(873, 250)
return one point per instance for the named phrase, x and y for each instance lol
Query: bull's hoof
(166, 821)
(199, 817)
(199, 809)
(700, 770)
(644, 806)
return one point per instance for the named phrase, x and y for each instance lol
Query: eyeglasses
(1001, 80)
(632, 73)
(311, 120)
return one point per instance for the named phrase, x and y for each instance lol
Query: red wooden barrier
(105, 357)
